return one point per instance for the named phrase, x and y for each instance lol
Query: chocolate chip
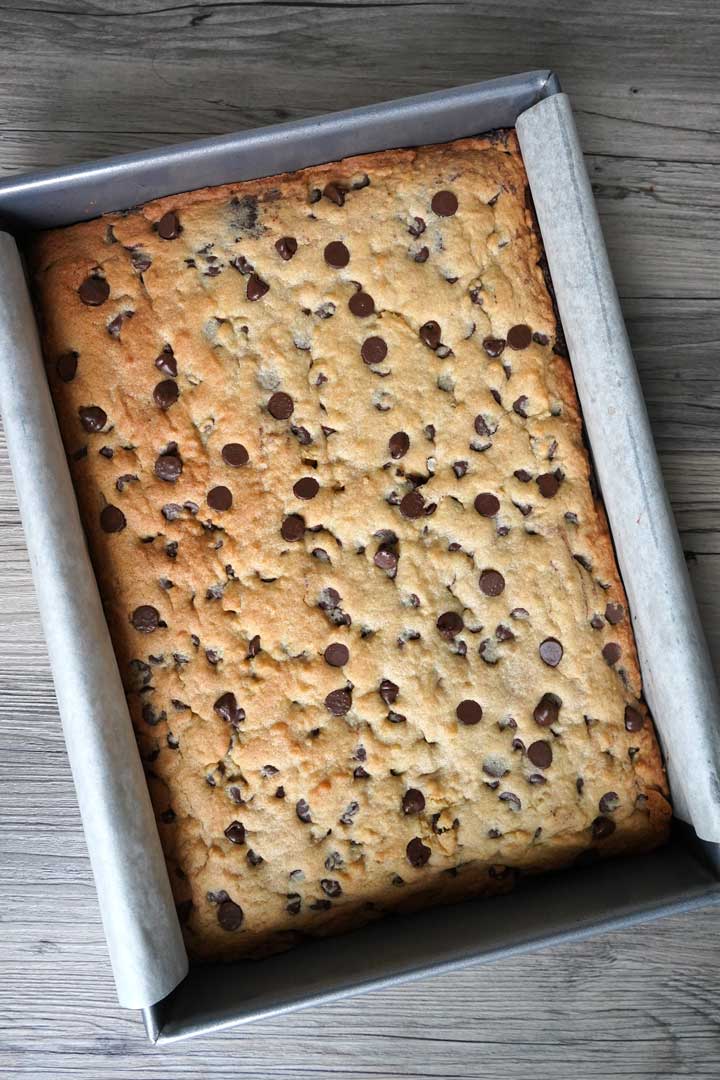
(396, 718)
(460, 468)
(168, 467)
(417, 852)
(422, 255)
(235, 454)
(253, 858)
(256, 287)
(388, 691)
(373, 350)
(444, 203)
(166, 393)
(336, 255)
(487, 504)
(412, 505)
(413, 801)
(303, 811)
(449, 624)
(614, 613)
(141, 261)
(166, 362)
(430, 334)
(235, 832)
(597, 622)
(226, 706)
(219, 498)
(386, 559)
(520, 406)
(493, 346)
(611, 653)
(169, 227)
(281, 406)
(336, 655)
(293, 528)
(523, 476)
(551, 651)
(286, 247)
(609, 802)
(602, 827)
(306, 488)
(540, 753)
(634, 721)
(112, 519)
(331, 887)
(92, 417)
(66, 366)
(253, 648)
(361, 304)
(417, 228)
(94, 291)
(229, 914)
(469, 712)
(519, 337)
(548, 484)
(339, 702)
(547, 710)
(399, 444)
(335, 193)
(492, 583)
(513, 802)
(145, 618)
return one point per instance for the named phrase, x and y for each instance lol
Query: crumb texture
(363, 598)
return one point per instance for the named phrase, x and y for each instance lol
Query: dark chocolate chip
(293, 528)
(412, 505)
(417, 852)
(487, 504)
(547, 710)
(281, 406)
(145, 618)
(430, 334)
(92, 418)
(219, 498)
(306, 488)
(94, 291)
(492, 583)
(336, 255)
(166, 362)
(519, 337)
(540, 753)
(66, 366)
(339, 702)
(253, 647)
(386, 559)
(235, 832)
(373, 350)
(548, 484)
(235, 454)
(523, 476)
(597, 622)
(520, 406)
(303, 811)
(469, 712)
(331, 887)
(460, 468)
(253, 859)
(336, 654)
(112, 519)
(169, 227)
(609, 802)
(388, 691)
(286, 247)
(444, 203)
(602, 827)
(166, 393)
(634, 720)
(229, 914)
(493, 346)
(168, 467)
(361, 304)
(611, 653)
(614, 613)
(417, 228)
(399, 444)
(422, 255)
(512, 801)
(413, 801)
(449, 624)
(226, 706)
(256, 287)
(335, 193)
(551, 651)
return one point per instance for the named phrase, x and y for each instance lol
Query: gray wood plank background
(80, 79)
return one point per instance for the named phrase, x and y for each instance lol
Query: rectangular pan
(545, 910)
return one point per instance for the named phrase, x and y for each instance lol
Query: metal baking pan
(562, 906)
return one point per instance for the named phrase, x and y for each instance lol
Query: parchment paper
(679, 682)
(143, 934)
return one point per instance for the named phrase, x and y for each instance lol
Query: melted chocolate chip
(286, 247)
(547, 710)
(373, 350)
(417, 852)
(430, 334)
(444, 203)
(235, 832)
(94, 291)
(540, 754)
(399, 444)
(469, 712)
(92, 418)
(336, 655)
(339, 702)
(548, 484)
(293, 528)
(112, 519)
(145, 618)
(306, 488)
(166, 393)
(413, 801)
(169, 227)
(219, 498)
(361, 304)
(487, 504)
(551, 651)
(492, 583)
(519, 337)
(336, 255)
(281, 406)
(235, 455)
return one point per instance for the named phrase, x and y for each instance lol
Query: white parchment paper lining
(144, 939)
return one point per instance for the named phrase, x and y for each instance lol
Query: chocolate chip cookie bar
(362, 592)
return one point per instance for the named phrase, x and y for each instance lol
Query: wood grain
(81, 80)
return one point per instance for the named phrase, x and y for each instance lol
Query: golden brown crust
(244, 610)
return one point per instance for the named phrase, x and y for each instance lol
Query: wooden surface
(80, 80)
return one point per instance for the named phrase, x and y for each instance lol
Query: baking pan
(543, 910)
